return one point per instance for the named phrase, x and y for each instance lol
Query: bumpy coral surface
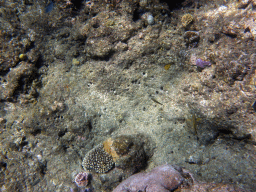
(98, 160)
(162, 178)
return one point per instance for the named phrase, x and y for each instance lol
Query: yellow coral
(22, 56)
(186, 19)
(166, 67)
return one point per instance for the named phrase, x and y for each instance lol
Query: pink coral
(82, 179)
(162, 178)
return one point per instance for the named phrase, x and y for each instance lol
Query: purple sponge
(163, 178)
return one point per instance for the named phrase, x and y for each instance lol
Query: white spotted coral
(98, 160)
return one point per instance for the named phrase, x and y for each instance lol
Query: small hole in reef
(95, 25)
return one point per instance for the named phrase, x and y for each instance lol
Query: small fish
(194, 119)
(153, 99)
(192, 123)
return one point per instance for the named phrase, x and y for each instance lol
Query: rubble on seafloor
(96, 93)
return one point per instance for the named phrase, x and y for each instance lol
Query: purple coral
(82, 179)
(162, 178)
(202, 64)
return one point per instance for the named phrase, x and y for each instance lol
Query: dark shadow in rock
(207, 131)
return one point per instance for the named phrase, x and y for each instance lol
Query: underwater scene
(127, 95)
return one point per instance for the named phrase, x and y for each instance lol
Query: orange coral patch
(107, 145)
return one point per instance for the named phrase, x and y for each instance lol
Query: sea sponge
(98, 160)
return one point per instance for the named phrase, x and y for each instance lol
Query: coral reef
(199, 62)
(202, 64)
(211, 187)
(123, 74)
(129, 154)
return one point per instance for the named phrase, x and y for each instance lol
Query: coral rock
(162, 178)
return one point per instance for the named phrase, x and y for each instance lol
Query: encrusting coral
(162, 178)
(97, 160)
